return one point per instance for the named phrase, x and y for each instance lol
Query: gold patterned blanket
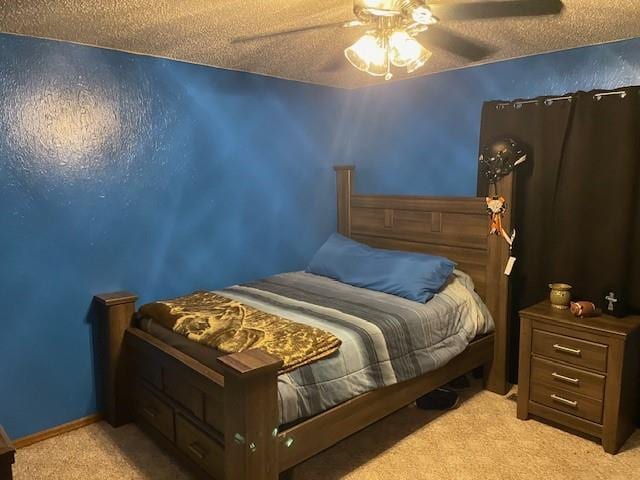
(230, 326)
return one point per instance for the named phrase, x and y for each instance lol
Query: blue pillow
(415, 276)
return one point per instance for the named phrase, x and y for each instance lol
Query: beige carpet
(480, 440)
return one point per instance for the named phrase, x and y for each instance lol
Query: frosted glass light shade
(406, 51)
(368, 54)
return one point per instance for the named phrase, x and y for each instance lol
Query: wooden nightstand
(7, 454)
(580, 373)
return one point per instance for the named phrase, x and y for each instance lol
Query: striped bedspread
(385, 339)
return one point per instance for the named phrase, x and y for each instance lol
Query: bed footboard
(222, 422)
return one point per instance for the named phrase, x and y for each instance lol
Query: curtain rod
(622, 93)
(549, 101)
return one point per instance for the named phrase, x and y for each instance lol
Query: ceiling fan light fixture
(420, 59)
(406, 51)
(376, 4)
(397, 49)
(422, 14)
(368, 54)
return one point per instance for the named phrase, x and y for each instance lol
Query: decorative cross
(611, 298)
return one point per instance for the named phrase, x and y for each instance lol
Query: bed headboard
(454, 227)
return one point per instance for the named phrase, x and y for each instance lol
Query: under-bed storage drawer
(154, 410)
(575, 351)
(199, 447)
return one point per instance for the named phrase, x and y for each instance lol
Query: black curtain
(577, 198)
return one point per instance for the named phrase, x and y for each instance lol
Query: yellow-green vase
(560, 295)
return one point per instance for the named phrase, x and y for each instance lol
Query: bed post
(344, 190)
(251, 415)
(498, 294)
(116, 314)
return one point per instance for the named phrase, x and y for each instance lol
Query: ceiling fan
(392, 25)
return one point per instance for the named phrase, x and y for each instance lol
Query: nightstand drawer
(569, 378)
(568, 402)
(570, 350)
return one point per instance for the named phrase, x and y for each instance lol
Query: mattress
(385, 339)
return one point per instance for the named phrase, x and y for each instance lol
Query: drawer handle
(562, 378)
(571, 351)
(557, 398)
(150, 412)
(197, 450)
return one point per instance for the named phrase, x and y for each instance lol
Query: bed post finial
(251, 415)
(116, 314)
(344, 190)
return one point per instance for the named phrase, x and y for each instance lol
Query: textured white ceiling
(203, 31)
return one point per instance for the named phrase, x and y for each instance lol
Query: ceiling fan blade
(496, 9)
(444, 39)
(344, 24)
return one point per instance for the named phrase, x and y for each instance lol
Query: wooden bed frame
(223, 422)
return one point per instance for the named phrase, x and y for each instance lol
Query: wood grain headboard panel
(453, 227)
(456, 228)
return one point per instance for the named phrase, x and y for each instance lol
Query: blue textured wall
(126, 172)
(421, 136)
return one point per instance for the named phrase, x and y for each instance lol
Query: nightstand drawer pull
(571, 351)
(562, 378)
(557, 398)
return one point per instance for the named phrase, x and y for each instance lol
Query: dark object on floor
(7, 456)
(439, 399)
(459, 384)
